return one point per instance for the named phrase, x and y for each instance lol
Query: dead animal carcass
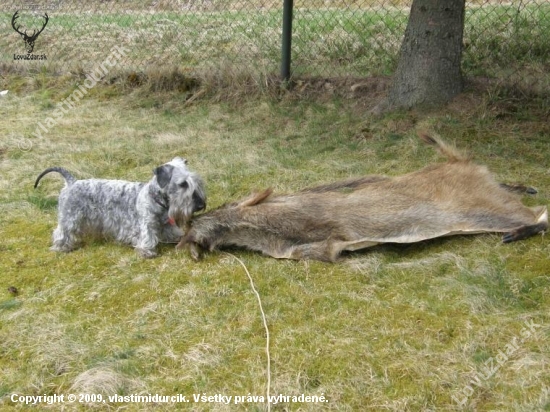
(456, 197)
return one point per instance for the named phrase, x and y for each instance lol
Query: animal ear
(163, 174)
(180, 159)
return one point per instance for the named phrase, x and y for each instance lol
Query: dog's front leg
(148, 241)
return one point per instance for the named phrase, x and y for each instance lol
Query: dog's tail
(450, 152)
(69, 178)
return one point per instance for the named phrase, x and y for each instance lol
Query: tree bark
(428, 72)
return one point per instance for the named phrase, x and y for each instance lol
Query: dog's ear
(163, 174)
(180, 160)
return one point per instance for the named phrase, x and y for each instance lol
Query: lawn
(451, 324)
(459, 323)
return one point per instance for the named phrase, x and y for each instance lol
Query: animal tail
(69, 178)
(256, 198)
(450, 152)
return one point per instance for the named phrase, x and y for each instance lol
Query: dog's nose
(198, 202)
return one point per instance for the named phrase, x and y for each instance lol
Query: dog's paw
(63, 248)
(146, 253)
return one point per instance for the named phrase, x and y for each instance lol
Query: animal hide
(457, 197)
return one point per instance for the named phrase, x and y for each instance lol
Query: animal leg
(148, 240)
(325, 251)
(64, 240)
(524, 232)
(519, 188)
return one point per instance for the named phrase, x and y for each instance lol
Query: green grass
(401, 328)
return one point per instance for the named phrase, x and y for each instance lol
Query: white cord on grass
(265, 326)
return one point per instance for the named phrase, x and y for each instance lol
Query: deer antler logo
(29, 40)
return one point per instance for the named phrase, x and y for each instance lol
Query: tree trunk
(428, 72)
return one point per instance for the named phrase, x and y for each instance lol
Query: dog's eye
(184, 184)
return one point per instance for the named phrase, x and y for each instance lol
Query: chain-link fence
(331, 38)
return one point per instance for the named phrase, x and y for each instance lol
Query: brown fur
(457, 197)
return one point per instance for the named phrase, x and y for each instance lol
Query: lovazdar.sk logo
(29, 39)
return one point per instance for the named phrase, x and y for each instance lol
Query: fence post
(287, 39)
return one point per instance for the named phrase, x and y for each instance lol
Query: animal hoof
(195, 251)
(508, 237)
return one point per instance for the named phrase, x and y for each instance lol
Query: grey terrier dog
(135, 213)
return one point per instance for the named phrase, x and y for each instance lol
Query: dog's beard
(179, 217)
